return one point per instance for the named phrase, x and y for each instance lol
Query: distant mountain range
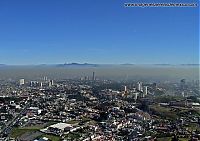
(127, 64)
(2, 65)
(77, 64)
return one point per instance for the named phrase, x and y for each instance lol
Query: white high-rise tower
(139, 86)
(21, 82)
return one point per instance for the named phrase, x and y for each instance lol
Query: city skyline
(41, 32)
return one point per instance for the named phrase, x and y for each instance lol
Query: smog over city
(99, 70)
(112, 71)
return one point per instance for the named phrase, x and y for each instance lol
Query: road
(6, 130)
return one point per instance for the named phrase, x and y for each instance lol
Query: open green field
(183, 139)
(72, 122)
(164, 139)
(17, 132)
(173, 112)
(163, 112)
(73, 136)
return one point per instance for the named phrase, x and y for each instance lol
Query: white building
(125, 88)
(58, 128)
(52, 82)
(145, 90)
(139, 86)
(21, 82)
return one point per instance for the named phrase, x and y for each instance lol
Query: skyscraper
(139, 86)
(145, 90)
(21, 82)
(41, 84)
(49, 83)
(125, 88)
(45, 78)
(93, 76)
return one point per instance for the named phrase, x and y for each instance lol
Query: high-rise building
(21, 82)
(41, 84)
(139, 86)
(93, 76)
(145, 90)
(52, 82)
(125, 88)
(49, 83)
(45, 78)
(33, 83)
(183, 84)
(87, 78)
(134, 94)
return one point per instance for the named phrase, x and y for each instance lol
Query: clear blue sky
(96, 31)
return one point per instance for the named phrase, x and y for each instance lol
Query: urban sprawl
(93, 109)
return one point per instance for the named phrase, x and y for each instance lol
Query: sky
(97, 31)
